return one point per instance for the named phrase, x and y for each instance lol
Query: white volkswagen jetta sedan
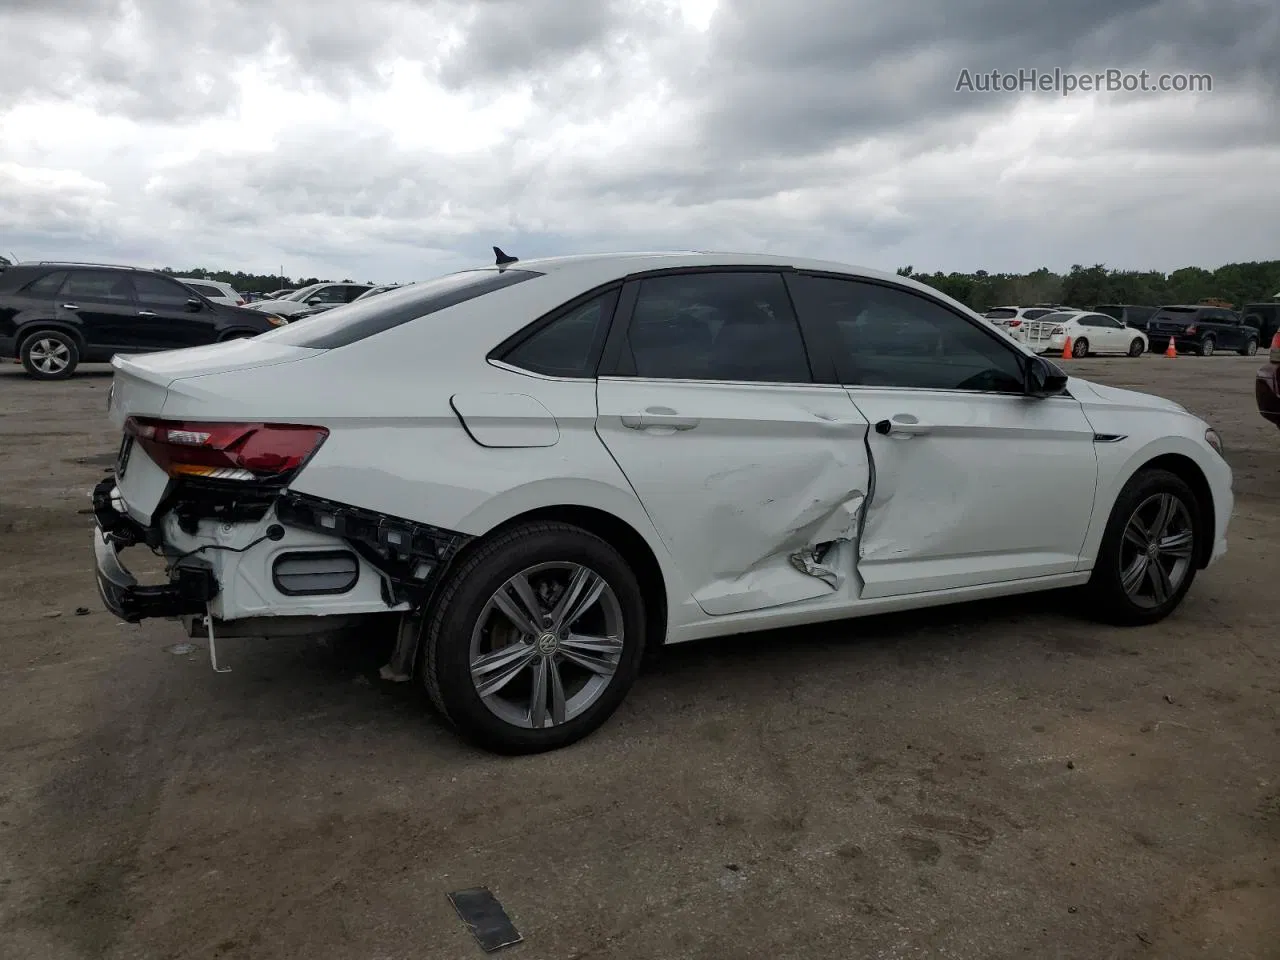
(538, 470)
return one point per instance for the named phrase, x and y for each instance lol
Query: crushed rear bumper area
(188, 591)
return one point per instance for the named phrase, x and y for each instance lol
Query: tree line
(1240, 283)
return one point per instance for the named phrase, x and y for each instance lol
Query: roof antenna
(502, 258)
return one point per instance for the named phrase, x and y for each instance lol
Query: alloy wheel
(1157, 550)
(49, 355)
(546, 645)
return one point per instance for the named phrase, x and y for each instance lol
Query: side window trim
(616, 360)
(503, 350)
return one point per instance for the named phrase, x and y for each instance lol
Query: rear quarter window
(1000, 314)
(47, 285)
(361, 319)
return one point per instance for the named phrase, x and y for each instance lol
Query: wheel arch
(32, 327)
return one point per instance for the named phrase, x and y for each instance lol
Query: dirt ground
(995, 780)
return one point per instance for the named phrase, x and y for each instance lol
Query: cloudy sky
(397, 139)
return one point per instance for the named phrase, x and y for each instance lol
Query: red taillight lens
(1015, 323)
(1275, 349)
(1191, 329)
(240, 301)
(226, 451)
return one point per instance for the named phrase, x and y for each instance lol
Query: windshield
(1057, 317)
(300, 295)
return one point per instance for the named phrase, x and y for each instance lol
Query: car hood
(1086, 391)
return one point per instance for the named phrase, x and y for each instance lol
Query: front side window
(352, 293)
(570, 345)
(160, 291)
(889, 337)
(731, 326)
(103, 286)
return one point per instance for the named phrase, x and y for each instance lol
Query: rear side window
(1002, 314)
(46, 286)
(102, 286)
(366, 318)
(568, 346)
(160, 291)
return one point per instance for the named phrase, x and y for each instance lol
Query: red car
(1267, 386)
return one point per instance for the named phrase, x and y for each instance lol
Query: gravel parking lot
(995, 780)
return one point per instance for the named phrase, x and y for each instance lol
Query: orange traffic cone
(1066, 349)
(1171, 350)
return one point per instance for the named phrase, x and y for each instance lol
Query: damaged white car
(540, 469)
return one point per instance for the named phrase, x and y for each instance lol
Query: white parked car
(214, 290)
(1089, 333)
(540, 470)
(1011, 319)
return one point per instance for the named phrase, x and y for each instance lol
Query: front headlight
(276, 321)
(1212, 439)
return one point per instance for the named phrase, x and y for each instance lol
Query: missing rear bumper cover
(411, 555)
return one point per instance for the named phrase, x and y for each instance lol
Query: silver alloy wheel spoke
(1132, 578)
(520, 606)
(1160, 584)
(595, 663)
(1157, 550)
(558, 710)
(538, 698)
(504, 665)
(1178, 545)
(584, 590)
(587, 644)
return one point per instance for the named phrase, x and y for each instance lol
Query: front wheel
(535, 640)
(1080, 348)
(1137, 348)
(1147, 560)
(1250, 348)
(1206, 347)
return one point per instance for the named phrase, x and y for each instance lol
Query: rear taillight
(1275, 349)
(240, 301)
(226, 451)
(1057, 331)
(1015, 323)
(1191, 329)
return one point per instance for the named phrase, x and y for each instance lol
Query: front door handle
(71, 306)
(146, 313)
(902, 425)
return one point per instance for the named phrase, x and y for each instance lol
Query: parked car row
(56, 315)
(1132, 330)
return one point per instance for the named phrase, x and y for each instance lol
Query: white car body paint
(1101, 333)
(987, 495)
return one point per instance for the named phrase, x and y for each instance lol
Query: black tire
(1080, 348)
(1250, 348)
(49, 355)
(1107, 598)
(1205, 349)
(445, 661)
(1137, 348)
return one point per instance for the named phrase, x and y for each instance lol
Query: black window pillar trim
(529, 331)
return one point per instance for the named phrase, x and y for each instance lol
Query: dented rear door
(750, 486)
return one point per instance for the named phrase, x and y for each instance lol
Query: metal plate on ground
(485, 918)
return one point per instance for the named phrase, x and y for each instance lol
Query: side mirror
(194, 305)
(1043, 379)
(315, 301)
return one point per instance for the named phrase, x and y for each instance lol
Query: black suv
(55, 316)
(1201, 330)
(1265, 317)
(1130, 314)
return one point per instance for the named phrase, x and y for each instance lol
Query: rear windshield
(1000, 313)
(364, 318)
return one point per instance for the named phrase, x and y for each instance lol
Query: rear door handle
(146, 313)
(71, 306)
(659, 417)
(903, 425)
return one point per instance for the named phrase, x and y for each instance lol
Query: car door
(752, 474)
(973, 481)
(1230, 330)
(1111, 334)
(327, 297)
(99, 302)
(170, 316)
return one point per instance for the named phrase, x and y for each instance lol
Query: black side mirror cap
(1043, 379)
(194, 304)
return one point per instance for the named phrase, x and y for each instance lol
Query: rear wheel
(1206, 347)
(50, 355)
(1147, 560)
(1137, 348)
(535, 640)
(1250, 348)
(1080, 348)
